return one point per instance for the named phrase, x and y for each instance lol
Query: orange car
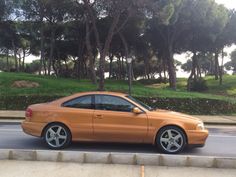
(111, 117)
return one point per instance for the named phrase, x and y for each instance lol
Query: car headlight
(200, 126)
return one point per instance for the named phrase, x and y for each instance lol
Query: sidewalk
(16, 116)
(52, 169)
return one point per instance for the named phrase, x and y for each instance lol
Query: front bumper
(197, 137)
(33, 128)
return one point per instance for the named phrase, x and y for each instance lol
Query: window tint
(84, 102)
(112, 103)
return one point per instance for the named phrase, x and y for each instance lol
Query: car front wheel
(171, 140)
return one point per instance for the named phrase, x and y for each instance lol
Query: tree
(118, 12)
(166, 26)
(208, 21)
(231, 65)
(35, 10)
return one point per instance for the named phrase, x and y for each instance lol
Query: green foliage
(2, 8)
(205, 61)
(63, 87)
(198, 85)
(186, 105)
(3, 62)
(196, 106)
(231, 65)
(189, 102)
(32, 67)
(152, 81)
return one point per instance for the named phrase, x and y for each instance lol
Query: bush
(185, 105)
(152, 81)
(197, 85)
(22, 102)
(197, 106)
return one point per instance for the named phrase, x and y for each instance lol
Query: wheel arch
(51, 123)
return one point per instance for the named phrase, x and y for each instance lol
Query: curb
(118, 158)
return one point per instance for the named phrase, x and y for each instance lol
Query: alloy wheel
(56, 136)
(171, 140)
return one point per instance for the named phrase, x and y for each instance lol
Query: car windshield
(141, 103)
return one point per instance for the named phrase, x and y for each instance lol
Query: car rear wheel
(171, 140)
(57, 136)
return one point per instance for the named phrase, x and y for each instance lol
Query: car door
(114, 120)
(79, 113)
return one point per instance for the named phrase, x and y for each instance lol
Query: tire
(171, 140)
(57, 136)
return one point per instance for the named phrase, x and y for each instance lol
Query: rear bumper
(197, 138)
(33, 128)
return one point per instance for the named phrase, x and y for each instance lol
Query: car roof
(61, 100)
(101, 93)
(104, 92)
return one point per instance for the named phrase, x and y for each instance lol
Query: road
(221, 142)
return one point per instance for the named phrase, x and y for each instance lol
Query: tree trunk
(194, 72)
(171, 68)
(119, 68)
(8, 65)
(216, 72)
(92, 72)
(79, 65)
(52, 44)
(111, 67)
(164, 69)
(15, 56)
(125, 44)
(105, 51)
(55, 68)
(23, 61)
(222, 68)
(123, 70)
(42, 56)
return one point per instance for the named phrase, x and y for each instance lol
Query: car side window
(112, 103)
(83, 102)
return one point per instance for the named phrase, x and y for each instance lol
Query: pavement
(54, 169)
(16, 116)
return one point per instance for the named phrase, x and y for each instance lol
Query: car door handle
(99, 116)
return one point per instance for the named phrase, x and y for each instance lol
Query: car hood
(172, 115)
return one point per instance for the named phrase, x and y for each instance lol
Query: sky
(231, 4)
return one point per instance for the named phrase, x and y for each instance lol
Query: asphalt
(17, 116)
(220, 143)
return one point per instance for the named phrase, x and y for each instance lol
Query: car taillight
(28, 113)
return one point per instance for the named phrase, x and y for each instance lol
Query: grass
(64, 86)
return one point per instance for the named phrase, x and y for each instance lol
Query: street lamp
(129, 61)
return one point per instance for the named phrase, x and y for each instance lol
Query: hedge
(197, 106)
(186, 105)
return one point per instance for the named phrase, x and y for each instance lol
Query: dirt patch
(25, 84)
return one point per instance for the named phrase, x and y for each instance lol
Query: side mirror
(137, 110)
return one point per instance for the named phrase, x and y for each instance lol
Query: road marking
(142, 171)
(10, 130)
(223, 136)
